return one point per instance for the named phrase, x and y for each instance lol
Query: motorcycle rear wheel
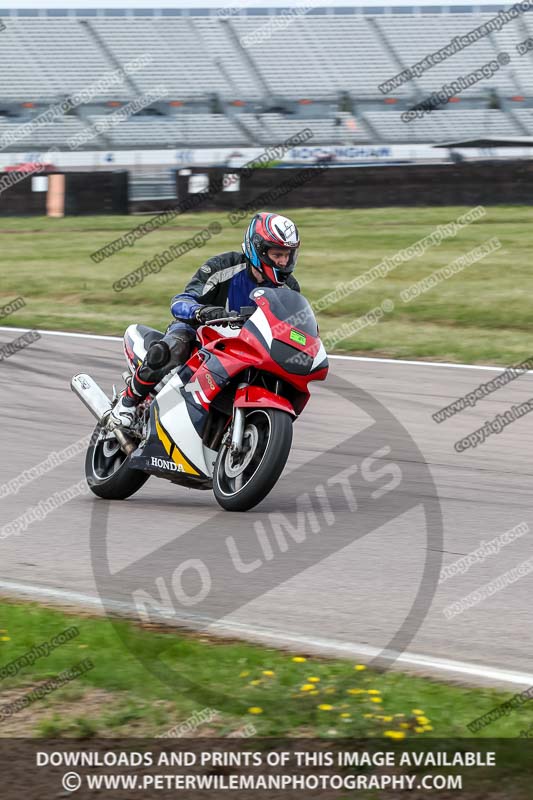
(241, 483)
(107, 469)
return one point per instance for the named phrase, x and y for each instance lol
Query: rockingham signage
(238, 157)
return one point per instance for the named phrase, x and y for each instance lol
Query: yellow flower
(255, 683)
(5, 639)
(255, 710)
(244, 674)
(419, 730)
(312, 679)
(315, 691)
(417, 711)
(268, 672)
(345, 715)
(307, 687)
(354, 691)
(395, 734)
(368, 716)
(387, 719)
(373, 691)
(404, 725)
(325, 707)
(359, 667)
(299, 659)
(422, 720)
(428, 728)
(376, 700)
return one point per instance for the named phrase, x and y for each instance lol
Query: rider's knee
(158, 355)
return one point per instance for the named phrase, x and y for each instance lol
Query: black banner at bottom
(256, 769)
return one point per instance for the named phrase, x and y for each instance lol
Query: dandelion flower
(374, 691)
(312, 679)
(255, 710)
(345, 715)
(315, 691)
(307, 687)
(359, 667)
(419, 730)
(255, 683)
(325, 707)
(422, 720)
(376, 700)
(5, 639)
(387, 719)
(354, 691)
(428, 728)
(268, 672)
(298, 659)
(244, 674)
(395, 734)
(417, 711)
(404, 725)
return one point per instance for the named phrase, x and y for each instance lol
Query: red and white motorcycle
(224, 419)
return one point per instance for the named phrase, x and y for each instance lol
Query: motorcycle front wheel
(107, 469)
(241, 482)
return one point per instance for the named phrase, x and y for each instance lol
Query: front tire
(240, 484)
(107, 468)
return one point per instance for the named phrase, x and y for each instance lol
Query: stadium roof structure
(489, 141)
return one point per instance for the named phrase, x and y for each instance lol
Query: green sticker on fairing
(298, 337)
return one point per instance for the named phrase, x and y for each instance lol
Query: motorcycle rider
(220, 286)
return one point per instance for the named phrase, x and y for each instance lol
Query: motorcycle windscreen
(297, 327)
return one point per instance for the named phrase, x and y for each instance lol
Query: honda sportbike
(221, 421)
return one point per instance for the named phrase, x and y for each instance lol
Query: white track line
(342, 358)
(308, 644)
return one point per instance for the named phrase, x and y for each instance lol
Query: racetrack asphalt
(350, 583)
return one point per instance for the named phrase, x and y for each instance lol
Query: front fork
(237, 432)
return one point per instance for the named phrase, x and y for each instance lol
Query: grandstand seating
(313, 57)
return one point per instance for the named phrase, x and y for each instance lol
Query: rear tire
(241, 486)
(107, 469)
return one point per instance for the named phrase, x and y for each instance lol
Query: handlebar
(234, 322)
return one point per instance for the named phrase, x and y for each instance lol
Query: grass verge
(278, 693)
(480, 315)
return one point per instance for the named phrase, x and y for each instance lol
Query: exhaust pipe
(98, 403)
